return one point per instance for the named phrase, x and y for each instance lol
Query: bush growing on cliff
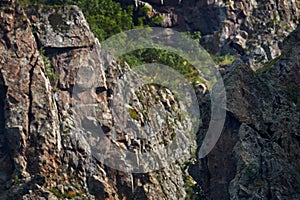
(49, 70)
(224, 59)
(181, 65)
(106, 17)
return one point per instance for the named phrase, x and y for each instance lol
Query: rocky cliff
(257, 154)
(47, 151)
(253, 30)
(51, 67)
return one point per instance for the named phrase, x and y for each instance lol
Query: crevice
(3, 92)
(105, 129)
(30, 114)
(31, 138)
(6, 161)
(60, 50)
(262, 133)
(99, 90)
(37, 40)
(218, 168)
(63, 89)
(268, 52)
(7, 41)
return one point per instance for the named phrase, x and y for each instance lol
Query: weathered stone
(76, 66)
(258, 147)
(266, 24)
(47, 144)
(59, 28)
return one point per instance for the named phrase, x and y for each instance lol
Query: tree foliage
(105, 17)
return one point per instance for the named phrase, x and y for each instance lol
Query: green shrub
(158, 19)
(181, 65)
(224, 59)
(105, 17)
(196, 35)
(133, 114)
(48, 68)
(268, 65)
(145, 9)
(193, 190)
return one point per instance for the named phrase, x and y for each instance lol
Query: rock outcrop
(51, 65)
(57, 87)
(258, 152)
(253, 30)
(30, 137)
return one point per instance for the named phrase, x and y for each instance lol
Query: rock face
(30, 125)
(253, 30)
(47, 140)
(257, 154)
(51, 67)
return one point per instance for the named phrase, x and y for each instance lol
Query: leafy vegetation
(181, 65)
(268, 65)
(66, 195)
(196, 35)
(48, 68)
(105, 17)
(224, 59)
(133, 114)
(156, 20)
(193, 190)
